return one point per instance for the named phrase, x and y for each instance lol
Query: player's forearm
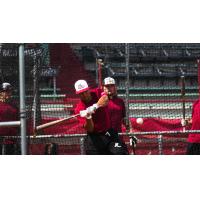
(89, 125)
(103, 101)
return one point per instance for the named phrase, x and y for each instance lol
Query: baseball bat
(183, 97)
(56, 122)
(100, 64)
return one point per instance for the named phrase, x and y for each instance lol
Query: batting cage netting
(159, 84)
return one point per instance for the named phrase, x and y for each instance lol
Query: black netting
(148, 79)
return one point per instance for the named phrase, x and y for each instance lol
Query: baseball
(139, 121)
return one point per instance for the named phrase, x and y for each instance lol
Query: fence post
(127, 83)
(22, 100)
(54, 86)
(160, 146)
(82, 149)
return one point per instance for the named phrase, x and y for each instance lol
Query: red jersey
(8, 113)
(100, 117)
(195, 138)
(116, 110)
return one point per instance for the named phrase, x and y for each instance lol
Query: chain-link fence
(158, 83)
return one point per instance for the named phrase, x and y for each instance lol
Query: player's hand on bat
(92, 109)
(133, 141)
(84, 113)
(183, 122)
(186, 122)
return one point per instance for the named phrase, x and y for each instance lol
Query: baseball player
(193, 147)
(8, 113)
(116, 107)
(101, 138)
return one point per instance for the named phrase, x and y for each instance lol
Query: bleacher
(149, 81)
(158, 63)
(139, 51)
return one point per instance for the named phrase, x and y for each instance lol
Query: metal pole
(127, 83)
(54, 85)
(22, 99)
(82, 149)
(160, 146)
(36, 93)
(1, 70)
(96, 71)
(183, 99)
(12, 123)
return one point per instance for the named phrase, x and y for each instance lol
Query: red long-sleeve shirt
(195, 138)
(116, 110)
(8, 113)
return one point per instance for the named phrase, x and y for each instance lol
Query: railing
(158, 143)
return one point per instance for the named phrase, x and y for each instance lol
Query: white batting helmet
(81, 86)
(5, 87)
(109, 81)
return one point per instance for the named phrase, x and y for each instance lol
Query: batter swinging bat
(101, 102)
(183, 97)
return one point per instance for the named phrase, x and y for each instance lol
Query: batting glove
(133, 141)
(92, 108)
(84, 113)
(95, 106)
